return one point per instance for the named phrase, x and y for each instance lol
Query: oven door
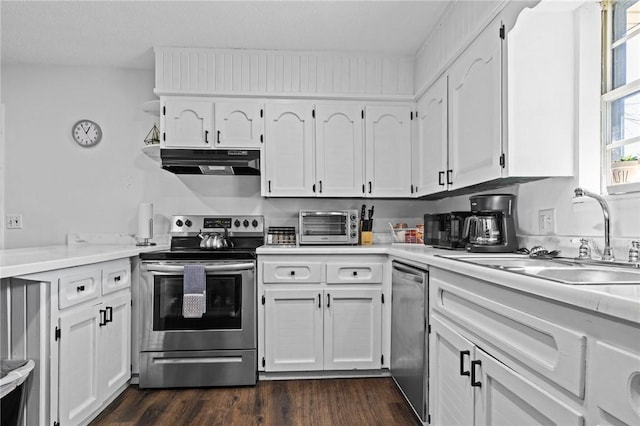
(229, 320)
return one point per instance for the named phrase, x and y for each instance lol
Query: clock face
(86, 133)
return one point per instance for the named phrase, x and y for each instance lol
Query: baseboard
(307, 375)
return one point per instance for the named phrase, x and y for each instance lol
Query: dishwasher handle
(408, 272)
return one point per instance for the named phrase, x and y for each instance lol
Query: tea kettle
(214, 241)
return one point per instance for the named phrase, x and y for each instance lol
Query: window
(621, 96)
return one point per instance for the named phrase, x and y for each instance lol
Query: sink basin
(563, 270)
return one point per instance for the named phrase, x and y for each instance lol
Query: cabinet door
(430, 149)
(452, 396)
(352, 329)
(506, 398)
(339, 150)
(79, 364)
(289, 150)
(614, 382)
(388, 151)
(293, 330)
(187, 124)
(475, 140)
(239, 124)
(115, 343)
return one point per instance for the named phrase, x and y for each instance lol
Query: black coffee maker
(491, 228)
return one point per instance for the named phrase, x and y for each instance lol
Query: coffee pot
(491, 227)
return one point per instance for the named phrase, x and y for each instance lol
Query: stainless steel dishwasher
(409, 354)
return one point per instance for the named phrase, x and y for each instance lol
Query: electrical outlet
(14, 221)
(547, 221)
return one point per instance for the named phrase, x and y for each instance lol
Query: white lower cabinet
(330, 329)
(470, 387)
(330, 318)
(92, 345)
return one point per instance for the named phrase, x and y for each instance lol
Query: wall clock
(86, 133)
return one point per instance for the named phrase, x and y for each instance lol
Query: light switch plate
(547, 221)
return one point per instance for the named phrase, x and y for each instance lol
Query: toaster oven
(328, 227)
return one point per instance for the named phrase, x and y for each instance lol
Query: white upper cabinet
(186, 124)
(339, 150)
(388, 151)
(475, 143)
(430, 144)
(289, 168)
(239, 124)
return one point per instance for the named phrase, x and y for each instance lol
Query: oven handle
(158, 267)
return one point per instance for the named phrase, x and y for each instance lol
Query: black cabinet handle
(440, 178)
(412, 189)
(328, 300)
(314, 188)
(321, 187)
(292, 273)
(355, 273)
(473, 373)
(449, 174)
(218, 136)
(80, 288)
(108, 315)
(269, 186)
(117, 278)
(103, 315)
(462, 370)
(369, 187)
(206, 136)
(319, 301)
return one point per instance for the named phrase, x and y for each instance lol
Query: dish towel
(194, 289)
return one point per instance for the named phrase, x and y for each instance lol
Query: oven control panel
(235, 225)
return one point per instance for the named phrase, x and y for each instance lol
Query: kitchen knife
(364, 207)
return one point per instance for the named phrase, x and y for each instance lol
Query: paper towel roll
(145, 220)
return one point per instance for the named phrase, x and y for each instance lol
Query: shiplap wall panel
(244, 72)
(460, 24)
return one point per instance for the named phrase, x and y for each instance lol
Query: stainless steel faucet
(607, 253)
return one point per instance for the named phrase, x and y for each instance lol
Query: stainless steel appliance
(211, 161)
(218, 348)
(409, 346)
(328, 227)
(444, 230)
(491, 228)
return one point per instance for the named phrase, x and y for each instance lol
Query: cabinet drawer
(74, 289)
(350, 273)
(116, 276)
(294, 272)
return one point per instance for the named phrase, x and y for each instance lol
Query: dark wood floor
(353, 402)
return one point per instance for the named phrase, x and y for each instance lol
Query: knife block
(366, 238)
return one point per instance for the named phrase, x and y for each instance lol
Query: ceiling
(123, 33)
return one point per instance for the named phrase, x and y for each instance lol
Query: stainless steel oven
(215, 349)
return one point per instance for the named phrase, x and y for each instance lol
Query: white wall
(60, 187)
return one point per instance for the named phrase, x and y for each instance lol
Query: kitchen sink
(563, 270)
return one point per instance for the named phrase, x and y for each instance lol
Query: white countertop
(23, 261)
(621, 301)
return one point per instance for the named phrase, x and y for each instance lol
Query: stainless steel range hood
(211, 161)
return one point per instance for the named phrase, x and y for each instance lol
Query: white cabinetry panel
(260, 72)
(115, 338)
(475, 100)
(239, 124)
(352, 329)
(388, 151)
(289, 150)
(339, 150)
(186, 124)
(293, 330)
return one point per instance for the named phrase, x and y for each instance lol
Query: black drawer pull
(355, 273)
(475, 383)
(80, 288)
(292, 273)
(103, 320)
(464, 372)
(117, 278)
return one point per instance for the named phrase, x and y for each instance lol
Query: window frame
(609, 96)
